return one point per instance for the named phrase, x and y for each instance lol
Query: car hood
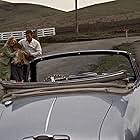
(82, 117)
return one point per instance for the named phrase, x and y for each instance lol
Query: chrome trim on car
(49, 114)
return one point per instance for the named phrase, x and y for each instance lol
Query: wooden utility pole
(76, 18)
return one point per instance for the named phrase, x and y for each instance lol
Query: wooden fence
(21, 34)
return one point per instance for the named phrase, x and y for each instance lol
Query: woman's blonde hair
(11, 38)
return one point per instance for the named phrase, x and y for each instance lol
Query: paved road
(95, 44)
(58, 67)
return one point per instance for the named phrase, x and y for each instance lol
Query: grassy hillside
(23, 16)
(111, 11)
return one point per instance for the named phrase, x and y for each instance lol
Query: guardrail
(21, 34)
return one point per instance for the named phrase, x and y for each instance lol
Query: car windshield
(82, 66)
(79, 72)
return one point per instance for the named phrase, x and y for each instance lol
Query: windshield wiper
(90, 76)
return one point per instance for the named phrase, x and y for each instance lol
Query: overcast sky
(65, 5)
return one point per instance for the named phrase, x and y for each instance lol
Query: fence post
(35, 35)
(21, 34)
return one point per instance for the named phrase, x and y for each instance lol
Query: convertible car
(80, 95)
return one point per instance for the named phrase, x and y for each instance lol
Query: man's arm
(38, 50)
(21, 42)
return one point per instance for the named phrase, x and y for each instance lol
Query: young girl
(17, 63)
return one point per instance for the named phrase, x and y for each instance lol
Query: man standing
(33, 49)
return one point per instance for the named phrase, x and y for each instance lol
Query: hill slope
(23, 16)
(20, 16)
(110, 11)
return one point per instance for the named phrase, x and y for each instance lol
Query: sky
(65, 5)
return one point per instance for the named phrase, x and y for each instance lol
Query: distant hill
(24, 16)
(111, 11)
(14, 16)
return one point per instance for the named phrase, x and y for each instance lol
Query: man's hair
(29, 32)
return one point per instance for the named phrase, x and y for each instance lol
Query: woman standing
(5, 58)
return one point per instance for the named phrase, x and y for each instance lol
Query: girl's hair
(20, 54)
(21, 58)
(17, 46)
